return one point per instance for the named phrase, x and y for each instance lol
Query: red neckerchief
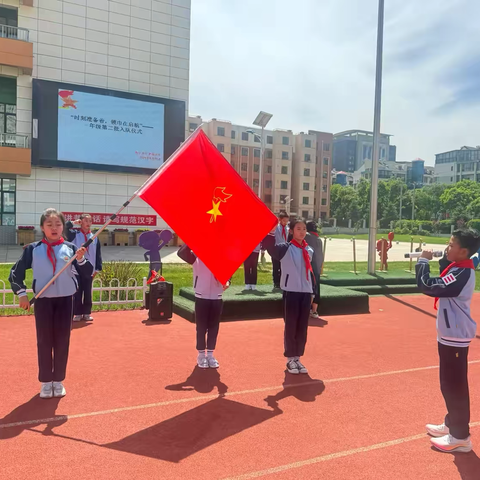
(314, 233)
(85, 236)
(463, 264)
(306, 256)
(284, 233)
(51, 252)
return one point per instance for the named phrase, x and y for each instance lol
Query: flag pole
(115, 215)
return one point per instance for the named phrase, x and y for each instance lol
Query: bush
(445, 226)
(475, 224)
(427, 226)
(122, 271)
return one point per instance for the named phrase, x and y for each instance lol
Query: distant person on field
(313, 239)
(453, 292)
(250, 267)
(78, 236)
(281, 236)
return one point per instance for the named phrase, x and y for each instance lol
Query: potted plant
(137, 234)
(120, 237)
(25, 235)
(103, 238)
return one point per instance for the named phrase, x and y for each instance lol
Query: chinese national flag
(204, 200)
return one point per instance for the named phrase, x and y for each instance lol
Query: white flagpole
(115, 215)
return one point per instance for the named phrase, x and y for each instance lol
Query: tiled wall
(140, 46)
(77, 190)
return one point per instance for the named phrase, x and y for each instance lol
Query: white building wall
(445, 172)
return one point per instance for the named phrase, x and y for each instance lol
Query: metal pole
(262, 152)
(376, 141)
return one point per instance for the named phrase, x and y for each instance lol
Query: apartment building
(293, 178)
(457, 165)
(128, 57)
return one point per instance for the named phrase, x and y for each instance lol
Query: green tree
(343, 203)
(461, 199)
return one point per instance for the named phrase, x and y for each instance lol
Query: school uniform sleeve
(186, 254)
(84, 268)
(277, 252)
(476, 259)
(18, 271)
(448, 287)
(71, 232)
(98, 258)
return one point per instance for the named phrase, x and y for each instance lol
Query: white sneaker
(292, 367)
(78, 318)
(448, 443)
(437, 430)
(253, 287)
(212, 362)
(301, 367)
(247, 287)
(58, 390)
(47, 390)
(202, 361)
(314, 314)
(88, 318)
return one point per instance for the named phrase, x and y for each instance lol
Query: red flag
(204, 200)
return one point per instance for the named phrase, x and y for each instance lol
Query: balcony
(15, 154)
(15, 48)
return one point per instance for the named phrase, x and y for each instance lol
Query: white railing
(13, 140)
(122, 295)
(15, 33)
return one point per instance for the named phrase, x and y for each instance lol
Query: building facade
(353, 147)
(296, 167)
(138, 47)
(457, 165)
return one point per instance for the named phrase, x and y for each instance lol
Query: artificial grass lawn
(181, 276)
(398, 238)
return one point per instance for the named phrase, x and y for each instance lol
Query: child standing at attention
(78, 236)
(314, 241)
(297, 283)
(250, 267)
(453, 292)
(208, 307)
(54, 309)
(281, 236)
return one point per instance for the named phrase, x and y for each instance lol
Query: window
(451, 168)
(283, 185)
(245, 136)
(284, 155)
(325, 161)
(221, 131)
(192, 126)
(256, 167)
(283, 198)
(308, 144)
(284, 170)
(306, 172)
(268, 184)
(268, 169)
(268, 198)
(269, 139)
(285, 141)
(325, 175)
(7, 200)
(255, 182)
(244, 167)
(244, 152)
(306, 186)
(256, 138)
(308, 158)
(256, 153)
(326, 147)
(324, 187)
(304, 213)
(268, 153)
(233, 134)
(305, 200)
(324, 201)
(221, 147)
(232, 150)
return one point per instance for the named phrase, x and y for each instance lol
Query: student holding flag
(78, 236)
(297, 283)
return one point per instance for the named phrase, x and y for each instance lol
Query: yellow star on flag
(215, 212)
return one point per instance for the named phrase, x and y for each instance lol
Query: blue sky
(312, 64)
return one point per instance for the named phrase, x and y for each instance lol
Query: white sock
(201, 353)
(210, 353)
(291, 358)
(296, 358)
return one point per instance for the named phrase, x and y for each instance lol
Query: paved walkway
(338, 250)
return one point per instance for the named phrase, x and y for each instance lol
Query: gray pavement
(338, 250)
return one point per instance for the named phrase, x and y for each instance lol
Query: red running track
(137, 408)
